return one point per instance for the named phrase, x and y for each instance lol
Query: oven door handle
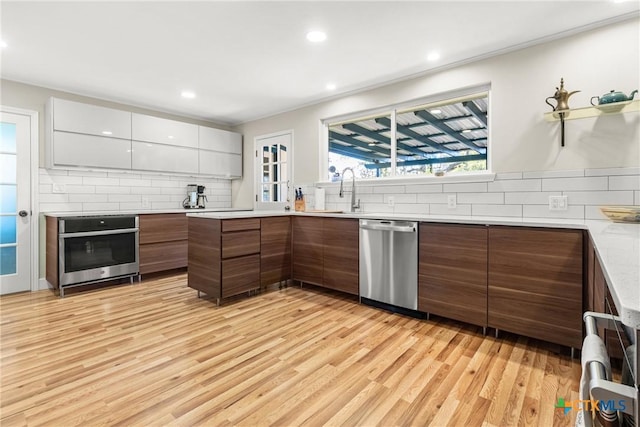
(98, 233)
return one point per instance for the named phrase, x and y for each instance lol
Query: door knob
(23, 213)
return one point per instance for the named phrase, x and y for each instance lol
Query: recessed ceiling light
(435, 111)
(433, 56)
(187, 94)
(331, 86)
(107, 132)
(170, 136)
(316, 36)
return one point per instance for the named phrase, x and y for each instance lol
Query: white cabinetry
(220, 153)
(82, 135)
(148, 156)
(163, 131)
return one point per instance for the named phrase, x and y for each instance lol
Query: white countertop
(140, 212)
(617, 245)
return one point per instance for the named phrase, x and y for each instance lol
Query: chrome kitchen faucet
(354, 205)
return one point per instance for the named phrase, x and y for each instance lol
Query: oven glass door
(88, 252)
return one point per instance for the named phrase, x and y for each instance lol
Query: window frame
(431, 101)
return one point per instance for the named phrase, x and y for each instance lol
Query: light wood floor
(154, 354)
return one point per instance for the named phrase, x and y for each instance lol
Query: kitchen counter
(142, 212)
(617, 245)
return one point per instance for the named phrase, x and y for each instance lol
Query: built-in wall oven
(97, 248)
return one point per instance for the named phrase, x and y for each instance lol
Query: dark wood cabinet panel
(163, 242)
(204, 251)
(340, 241)
(275, 250)
(452, 272)
(155, 228)
(51, 248)
(535, 283)
(307, 249)
(240, 243)
(163, 256)
(240, 224)
(240, 275)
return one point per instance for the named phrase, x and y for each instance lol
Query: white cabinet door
(220, 140)
(74, 149)
(163, 131)
(164, 158)
(70, 116)
(226, 165)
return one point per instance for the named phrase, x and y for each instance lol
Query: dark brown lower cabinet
(535, 283)
(452, 271)
(275, 250)
(325, 252)
(224, 256)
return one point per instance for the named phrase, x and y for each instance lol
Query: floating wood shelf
(591, 111)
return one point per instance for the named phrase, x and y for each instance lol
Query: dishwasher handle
(389, 227)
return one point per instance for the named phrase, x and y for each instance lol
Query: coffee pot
(201, 196)
(561, 96)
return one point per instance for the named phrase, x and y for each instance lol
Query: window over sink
(439, 135)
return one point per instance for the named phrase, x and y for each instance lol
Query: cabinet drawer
(163, 256)
(240, 224)
(70, 116)
(164, 131)
(240, 243)
(156, 228)
(75, 149)
(240, 275)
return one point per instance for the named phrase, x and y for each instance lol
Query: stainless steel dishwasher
(389, 262)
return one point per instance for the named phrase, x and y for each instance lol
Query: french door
(16, 133)
(273, 166)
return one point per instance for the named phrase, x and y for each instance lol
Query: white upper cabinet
(148, 156)
(79, 150)
(220, 140)
(70, 116)
(163, 131)
(223, 165)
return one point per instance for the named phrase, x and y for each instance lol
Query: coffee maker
(191, 201)
(201, 198)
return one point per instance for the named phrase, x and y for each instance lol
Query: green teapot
(612, 97)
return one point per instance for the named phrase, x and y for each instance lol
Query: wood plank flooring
(153, 354)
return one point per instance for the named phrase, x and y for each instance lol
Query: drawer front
(240, 243)
(156, 228)
(240, 224)
(163, 256)
(240, 275)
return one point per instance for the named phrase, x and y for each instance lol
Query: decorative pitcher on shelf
(561, 96)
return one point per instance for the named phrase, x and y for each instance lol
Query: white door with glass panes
(273, 166)
(15, 202)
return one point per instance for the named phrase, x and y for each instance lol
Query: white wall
(593, 62)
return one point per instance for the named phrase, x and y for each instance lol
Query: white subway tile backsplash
(423, 188)
(54, 198)
(515, 185)
(133, 182)
(636, 197)
(508, 175)
(539, 211)
(612, 171)
(88, 180)
(60, 207)
(624, 182)
(483, 198)
(432, 198)
(94, 174)
(45, 188)
(125, 175)
(371, 207)
(497, 210)
(529, 198)
(593, 212)
(389, 189)
(85, 198)
(465, 187)
(125, 198)
(438, 209)
(411, 208)
(553, 174)
(60, 179)
(599, 197)
(166, 183)
(112, 189)
(575, 184)
(80, 189)
(149, 190)
(101, 206)
(133, 206)
(400, 198)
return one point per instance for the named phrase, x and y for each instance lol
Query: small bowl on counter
(622, 213)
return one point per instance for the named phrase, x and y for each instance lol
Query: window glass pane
(361, 144)
(442, 138)
(8, 260)
(8, 198)
(8, 168)
(283, 172)
(8, 229)
(8, 137)
(283, 153)
(266, 193)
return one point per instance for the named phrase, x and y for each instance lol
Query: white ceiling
(246, 60)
